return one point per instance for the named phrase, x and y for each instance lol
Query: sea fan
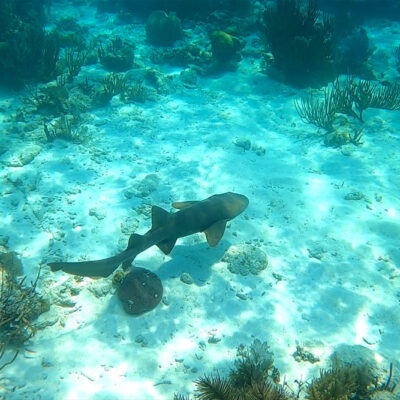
(213, 387)
(252, 365)
(265, 391)
(338, 383)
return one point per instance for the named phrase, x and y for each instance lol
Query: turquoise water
(112, 111)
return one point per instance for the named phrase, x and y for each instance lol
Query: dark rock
(140, 291)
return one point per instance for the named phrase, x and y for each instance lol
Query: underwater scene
(199, 199)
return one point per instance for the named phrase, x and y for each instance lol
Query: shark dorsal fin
(166, 246)
(215, 232)
(159, 217)
(183, 204)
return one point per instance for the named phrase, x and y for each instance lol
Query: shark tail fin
(92, 269)
(135, 240)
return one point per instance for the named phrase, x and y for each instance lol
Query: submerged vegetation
(350, 97)
(117, 55)
(28, 53)
(20, 305)
(254, 377)
(301, 42)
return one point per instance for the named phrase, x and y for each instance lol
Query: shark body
(209, 216)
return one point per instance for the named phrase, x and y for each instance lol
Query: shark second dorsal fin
(215, 232)
(179, 205)
(166, 246)
(134, 240)
(159, 217)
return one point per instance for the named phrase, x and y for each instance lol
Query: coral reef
(10, 262)
(304, 355)
(27, 52)
(67, 128)
(117, 56)
(136, 93)
(74, 58)
(113, 85)
(252, 364)
(350, 97)
(396, 54)
(341, 382)
(245, 259)
(51, 99)
(255, 378)
(300, 42)
(163, 29)
(20, 305)
(252, 377)
(352, 52)
(195, 9)
(224, 47)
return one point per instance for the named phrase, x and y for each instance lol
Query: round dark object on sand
(140, 291)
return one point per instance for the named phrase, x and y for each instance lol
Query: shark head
(233, 204)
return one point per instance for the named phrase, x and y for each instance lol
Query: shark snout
(238, 202)
(243, 202)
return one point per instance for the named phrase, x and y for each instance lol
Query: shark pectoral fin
(166, 246)
(159, 217)
(179, 205)
(215, 232)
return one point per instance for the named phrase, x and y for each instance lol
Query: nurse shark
(209, 216)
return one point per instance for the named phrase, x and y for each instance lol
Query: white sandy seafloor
(332, 283)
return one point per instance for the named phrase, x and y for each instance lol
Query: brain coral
(245, 259)
(163, 29)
